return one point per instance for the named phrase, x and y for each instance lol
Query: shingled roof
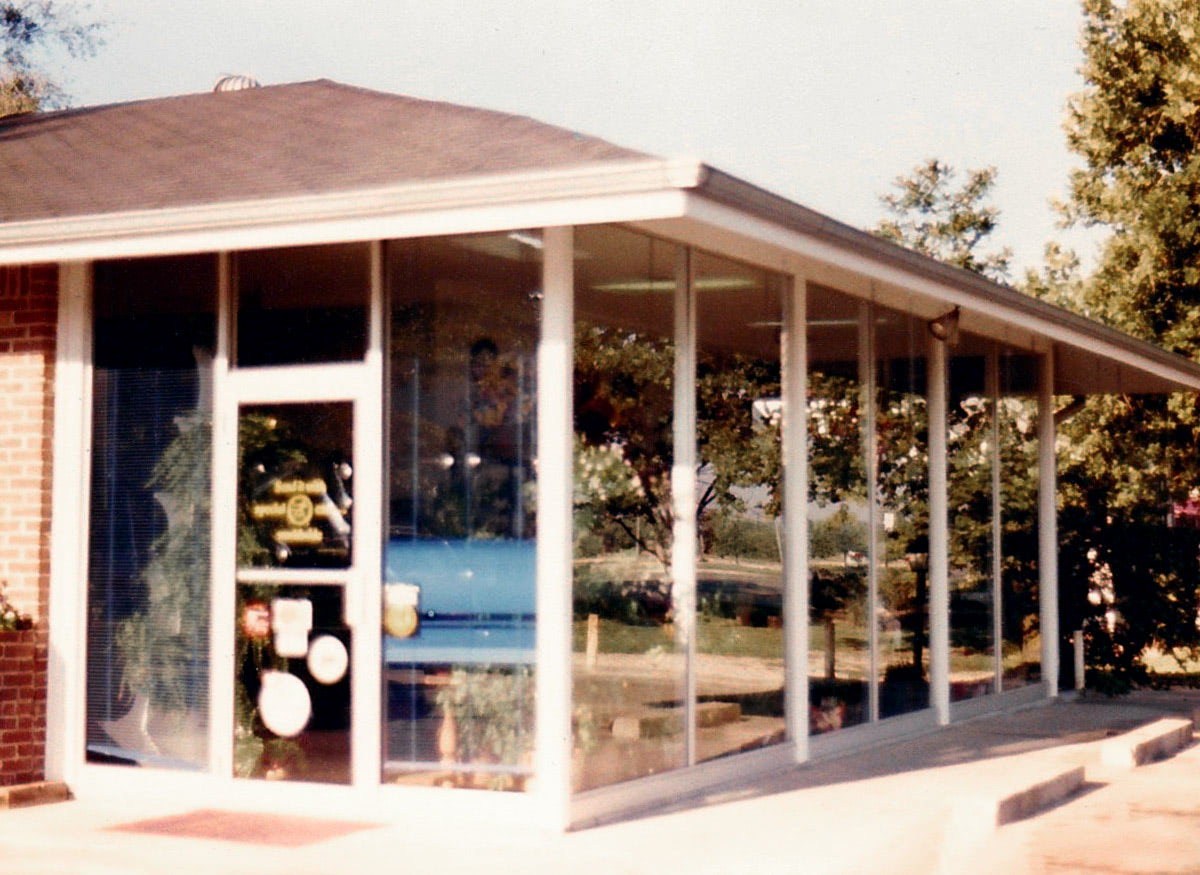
(277, 141)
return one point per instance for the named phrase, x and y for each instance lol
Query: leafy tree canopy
(935, 219)
(29, 31)
(1136, 125)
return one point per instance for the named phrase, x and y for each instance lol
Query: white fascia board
(598, 192)
(806, 247)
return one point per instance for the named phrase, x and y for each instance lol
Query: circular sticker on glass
(284, 703)
(327, 659)
(298, 511)
(400, 621)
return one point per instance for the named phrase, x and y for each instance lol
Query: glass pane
(739, 635)
(1019, 520)
(902, 436)
(292, 688)
(839, 649)
(971, 446)
(295, 470)
(459, 591)
(302, 305)
(629, 664)
(149, 532)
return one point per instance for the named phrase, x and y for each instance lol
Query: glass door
(296, 584)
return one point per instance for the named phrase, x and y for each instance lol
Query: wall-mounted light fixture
(945, 327)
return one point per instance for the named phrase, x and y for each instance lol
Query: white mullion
(683, 489)
(223, 548)
(338, 381)
(1047, 526)
(939, 586)
(555, 484)
(362, 593)
(66, 699)
(794, 355)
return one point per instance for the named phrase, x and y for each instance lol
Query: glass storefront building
(540, 494)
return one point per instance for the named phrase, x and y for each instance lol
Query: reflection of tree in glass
(623, 419)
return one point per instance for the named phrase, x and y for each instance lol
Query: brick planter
(22, 706)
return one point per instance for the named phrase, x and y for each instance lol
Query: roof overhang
(683, 199)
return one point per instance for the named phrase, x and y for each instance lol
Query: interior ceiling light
(709, 284)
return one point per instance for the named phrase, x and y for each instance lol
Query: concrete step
(1154, 741)
(36, 793)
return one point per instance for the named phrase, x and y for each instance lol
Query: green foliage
(1136, 125)
(10, 618)
(29, 29)
(623, 457)
(493, 712)
(945, 223)
(838, 535)
(158, 644)
(729, 534)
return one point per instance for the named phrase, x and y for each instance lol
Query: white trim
(339, 381)
(939, 540)
(934, 296)
(683, 489)
(223, 549)
(606, 192)
(71, 474)
(795, 515)
(866, 735)
(363, 595)
(996, 703)
(305, 576)
(555, 484)
(1047, 526)
(681, 785)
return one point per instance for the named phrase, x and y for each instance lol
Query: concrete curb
(1154, 741)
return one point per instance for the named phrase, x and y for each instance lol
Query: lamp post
(918, 561)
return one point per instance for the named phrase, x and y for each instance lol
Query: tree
(1136, 125)
(947, 224)
(29, 29)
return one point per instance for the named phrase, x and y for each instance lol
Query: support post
(556, 361)
(939, 542)
(65, 700)
(683, 491)
(1047, 526)
(795, 514)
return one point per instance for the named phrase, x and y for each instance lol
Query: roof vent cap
(232, 82)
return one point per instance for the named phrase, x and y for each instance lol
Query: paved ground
(895, 809)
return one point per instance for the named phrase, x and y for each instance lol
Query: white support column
(683, 490)
(66, 700)
(222, 550)
(1047, 526)
(939, 542)
(555, 480)
(362, 595)
(795, 516)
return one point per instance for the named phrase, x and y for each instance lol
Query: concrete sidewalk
(916, 806)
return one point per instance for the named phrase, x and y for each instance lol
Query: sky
(825, 102)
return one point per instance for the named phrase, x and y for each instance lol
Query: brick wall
(22, 706)
(28, 311)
